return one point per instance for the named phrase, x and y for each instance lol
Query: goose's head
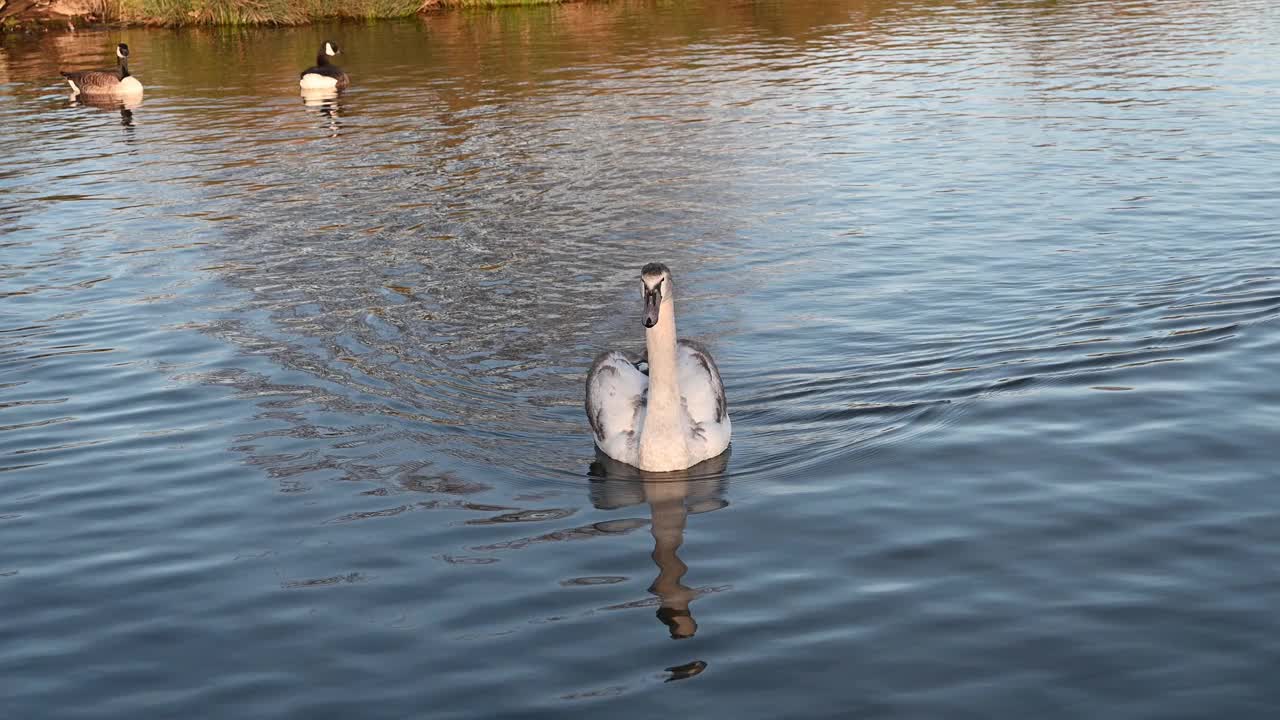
(330, 48)
(122, 51)
(655, 284)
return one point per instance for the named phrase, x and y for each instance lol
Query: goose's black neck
(124, 68)
(322, 58)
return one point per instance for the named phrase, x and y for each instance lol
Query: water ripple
(993, 286)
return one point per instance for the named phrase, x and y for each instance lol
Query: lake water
(291, 395)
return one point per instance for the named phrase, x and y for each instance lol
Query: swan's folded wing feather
(615, 398)
(700, 384)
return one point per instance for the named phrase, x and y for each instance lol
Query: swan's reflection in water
(326, 101)
(125, 104)
(672, 497)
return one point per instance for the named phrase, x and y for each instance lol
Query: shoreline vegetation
(50, 15)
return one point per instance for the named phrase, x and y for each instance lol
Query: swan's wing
(616, 393)
(700, 384)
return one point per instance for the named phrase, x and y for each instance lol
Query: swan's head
(655, 283)
(122, 50)
(330, 48)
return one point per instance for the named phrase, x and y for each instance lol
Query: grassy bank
(17, 14)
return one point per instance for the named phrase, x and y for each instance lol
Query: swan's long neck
(662, 427)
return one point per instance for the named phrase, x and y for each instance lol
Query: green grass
(275, 12)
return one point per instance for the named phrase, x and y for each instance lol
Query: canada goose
(324, 76)
(671, 419)
(104, 82)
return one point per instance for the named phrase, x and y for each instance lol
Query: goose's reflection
(125, 104)
(672, 497)
(326, 101)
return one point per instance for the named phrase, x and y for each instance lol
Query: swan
(106, 82)
(324, 76)
(674, 417)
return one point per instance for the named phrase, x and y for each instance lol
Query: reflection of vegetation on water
(174, 13)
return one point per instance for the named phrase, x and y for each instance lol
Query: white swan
(675, 417)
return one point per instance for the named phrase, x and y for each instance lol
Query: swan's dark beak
(652, 299)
